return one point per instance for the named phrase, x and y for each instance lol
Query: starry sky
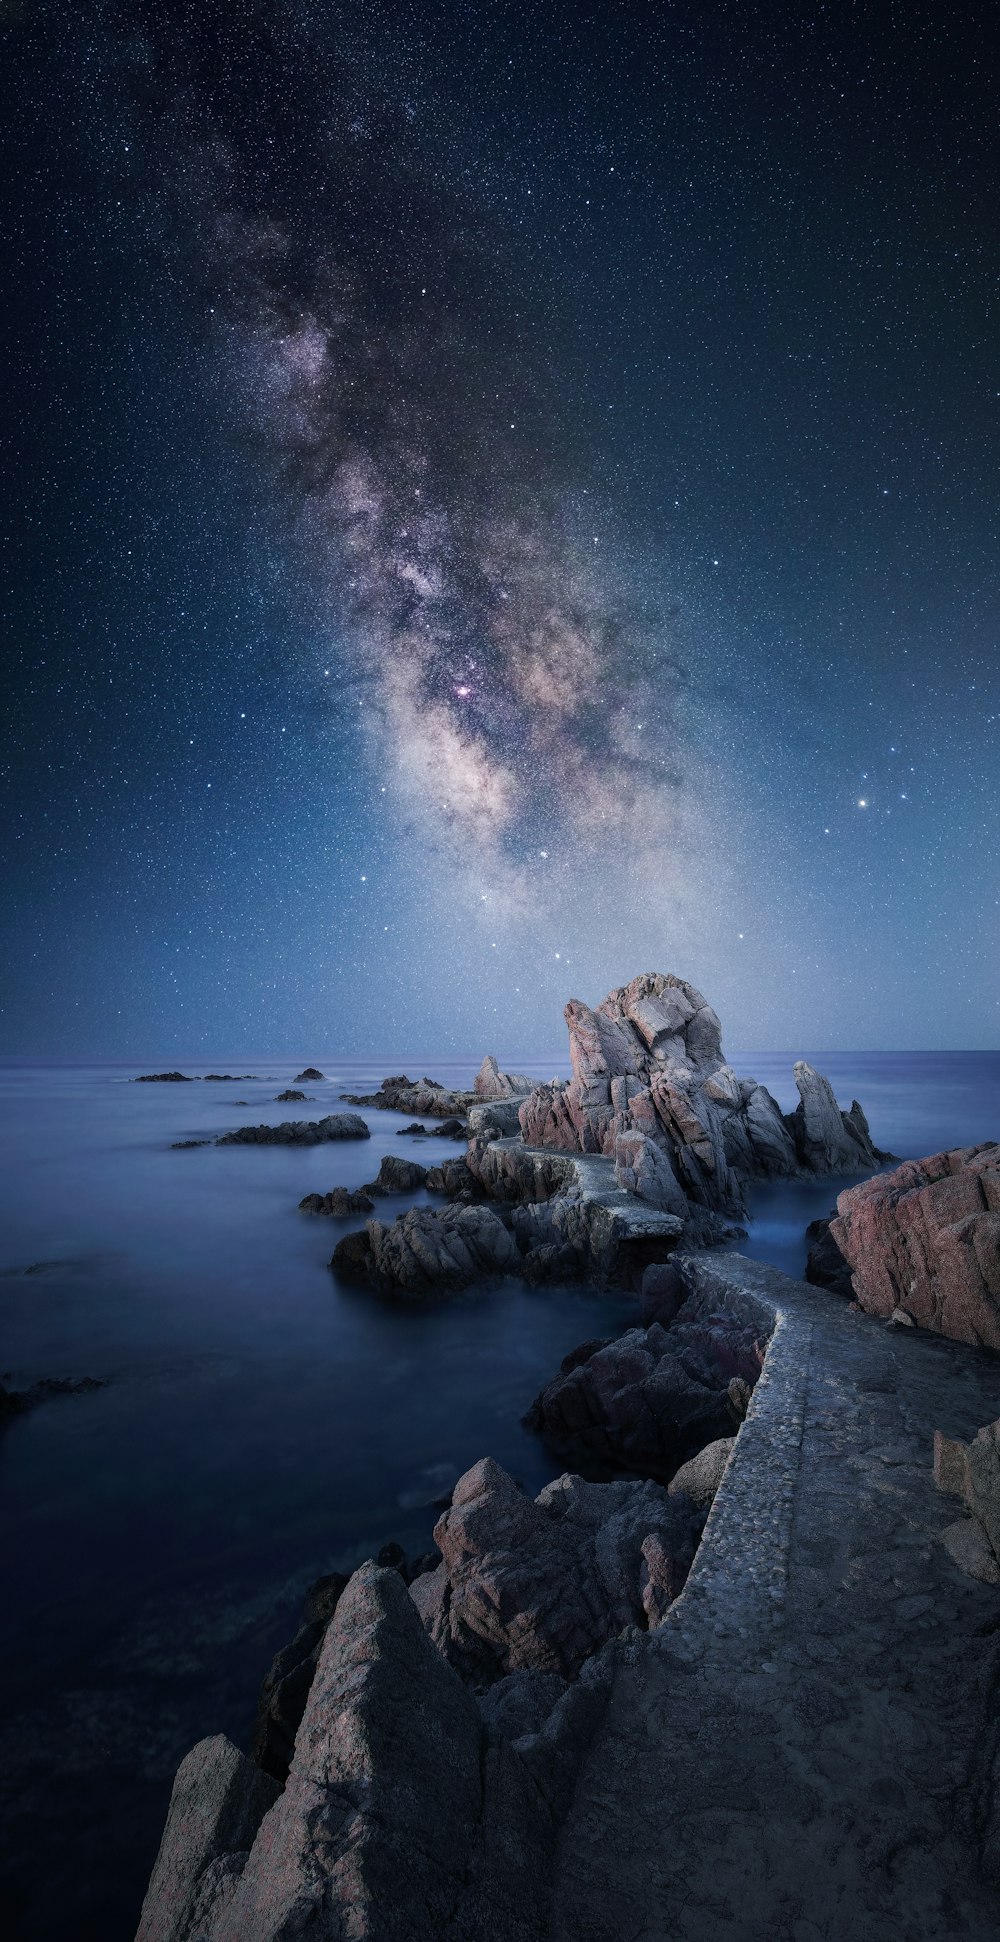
(497, 500)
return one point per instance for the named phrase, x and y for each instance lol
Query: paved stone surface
(788, 1759)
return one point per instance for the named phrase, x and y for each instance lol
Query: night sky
(498, 499)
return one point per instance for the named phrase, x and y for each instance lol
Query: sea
(259, 1423)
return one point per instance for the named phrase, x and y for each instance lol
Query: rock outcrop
(925, 1239)
(652, 1397)
(490, 1083)
(163, 1079)
(218, 1801)
(540, 1585)
(339, 1203)
(648, 1062)
(290, 1097)
(311, 1072)
(428, 1252)
(424, 1096)
(299, 1132)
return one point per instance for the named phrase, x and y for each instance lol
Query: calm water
(261, 1424)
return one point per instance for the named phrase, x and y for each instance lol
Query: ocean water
(260, 1424)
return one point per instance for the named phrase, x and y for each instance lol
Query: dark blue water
(261, 1424)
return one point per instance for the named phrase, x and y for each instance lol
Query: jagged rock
(286, 1687)
(218, 1801)
(491, 1083)
(648, 1061)
(825, 1265)
(926, 1238)
(424, 1096)
(652, 1397)
(282, 1098)
(373, 1835)
(339, 1202)
(643, 1169)
(826, 1139)
(701, 1476)
(541, 1585)
(311, 1072)
(396, 1176)
(428, 1251)
(661, 1294)
(163, 1079)
(452, 1177)
(299, 1132)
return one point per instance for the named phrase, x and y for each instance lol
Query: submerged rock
(339, 1203)
(926, 1239)
(299, 1132)
(14, 1402)
(311, 1072)
(539, 1585)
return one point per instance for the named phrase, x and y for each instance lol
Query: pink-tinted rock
(926, 1238)
(491, 1083)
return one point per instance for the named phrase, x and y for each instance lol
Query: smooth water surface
(261, 1423)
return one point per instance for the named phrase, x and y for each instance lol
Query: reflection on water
(261, 1423)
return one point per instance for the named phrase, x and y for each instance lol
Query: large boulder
(652, 1397)
(926, 1239)
(428, 1251)
(539, 1585)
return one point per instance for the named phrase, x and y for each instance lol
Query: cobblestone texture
(789, 1758)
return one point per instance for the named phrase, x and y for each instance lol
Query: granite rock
(540, 1585)
(299, 1132)
(926, 1238)
(218, 1801)
(340, 1202)
(701, 1476)
(428, 1251)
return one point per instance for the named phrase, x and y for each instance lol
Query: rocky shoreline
(421, 1742)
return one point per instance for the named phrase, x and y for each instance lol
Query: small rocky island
(742, 1639)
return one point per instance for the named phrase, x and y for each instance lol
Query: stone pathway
(793, 1756)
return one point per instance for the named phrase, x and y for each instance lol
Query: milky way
(522, 697)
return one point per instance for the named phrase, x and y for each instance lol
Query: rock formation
(649, 1062)
(971, 1472)
(648, 1399)
(540, 1585)
(425, 1096)
(925, 1239)
(490, 1083)
(310, 1072)
(163, 1079)
(299, 1132)
(426, 1252)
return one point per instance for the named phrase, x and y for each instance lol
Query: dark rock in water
(339, 1203)
(402, 1095)
(826, 1139)
(924, 1242)
(651, 1397)
(286, 1098)
(163, 1079)
(310, 1072)
(396, 1176)
(452, 1177)
(218, 1802)
(228, 1078)
(13, 1402)
(426, 1252)
(415, 1130)
(181, 1146)
(299, 1132)
(825, 1265)
(286, 1688)
(541, 1585)
(452, 1128)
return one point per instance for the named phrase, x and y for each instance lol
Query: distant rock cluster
(299, 1132)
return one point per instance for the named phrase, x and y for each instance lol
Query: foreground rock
(299, 1132)
(540, 1585)
(925, 1240)
(652, 1397)
(648, 1062)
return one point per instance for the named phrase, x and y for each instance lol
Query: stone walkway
(793, 1756)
